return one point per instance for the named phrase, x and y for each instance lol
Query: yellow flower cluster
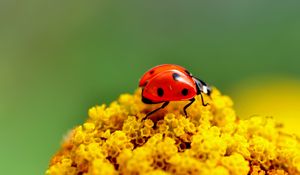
(211, 140)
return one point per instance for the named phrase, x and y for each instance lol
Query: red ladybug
(169, 82)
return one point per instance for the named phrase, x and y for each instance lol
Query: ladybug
(170, 82)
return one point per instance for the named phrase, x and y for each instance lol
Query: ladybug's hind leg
(162, 106)
(186, 106)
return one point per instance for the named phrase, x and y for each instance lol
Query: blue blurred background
(59, 58)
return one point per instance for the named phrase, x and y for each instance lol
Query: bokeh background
(59, 58)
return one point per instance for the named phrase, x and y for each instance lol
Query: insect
(170, 82)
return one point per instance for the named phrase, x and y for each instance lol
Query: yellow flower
(212, 140)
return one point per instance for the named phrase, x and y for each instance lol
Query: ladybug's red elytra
(170, 82)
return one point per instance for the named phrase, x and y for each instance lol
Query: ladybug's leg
(162, 106)
(204, 104)
(186, 106)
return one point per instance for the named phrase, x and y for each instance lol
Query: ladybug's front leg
(204, 104)
(186, 106)
(192, 101)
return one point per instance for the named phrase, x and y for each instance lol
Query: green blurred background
(59, 58)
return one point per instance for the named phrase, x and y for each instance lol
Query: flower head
(212, 140)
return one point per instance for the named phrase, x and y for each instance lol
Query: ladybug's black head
(202, 87)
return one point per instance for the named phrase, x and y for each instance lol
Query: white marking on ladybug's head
(205, 89)
(202, 86)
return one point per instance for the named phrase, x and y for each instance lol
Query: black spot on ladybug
(151, 72)
(184, 91)
(175, 76)
(186, 71)
(160, 92)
